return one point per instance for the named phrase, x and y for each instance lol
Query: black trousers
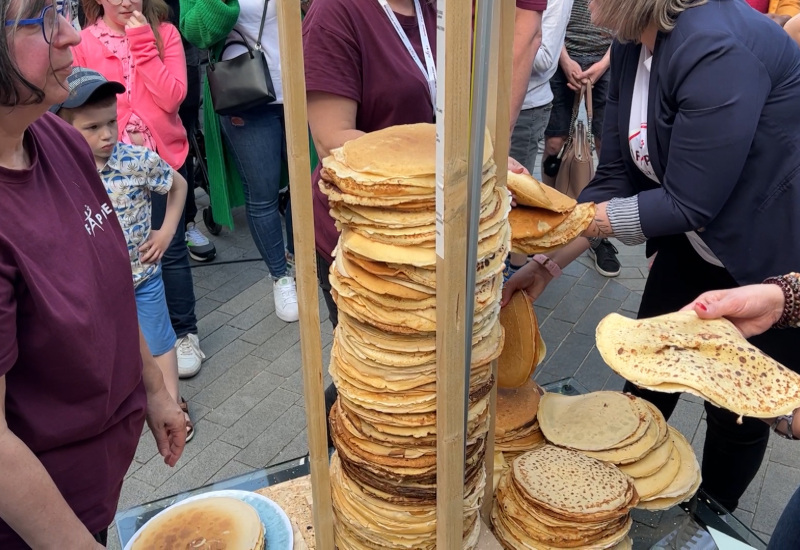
(732, 453)
(102, 537)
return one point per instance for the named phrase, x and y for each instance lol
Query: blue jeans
(787, 533)
(528, 132)
(256, 139)
(177, 276)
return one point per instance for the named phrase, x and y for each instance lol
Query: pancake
(221, 522)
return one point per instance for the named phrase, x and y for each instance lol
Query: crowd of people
(99, 103)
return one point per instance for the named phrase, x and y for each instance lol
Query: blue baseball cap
(84, 83)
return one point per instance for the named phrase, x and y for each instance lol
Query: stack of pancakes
(630, 433)
(559, 498)
(383, 360)
(516, 429)
(216, 522)
(544, 219)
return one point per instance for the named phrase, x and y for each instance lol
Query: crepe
(573, 225)
(570, 483)
(519, 357)
(528, 191)
(533, 223)
(709, 358)
(407, 150)
(222, 521)
(592, 422)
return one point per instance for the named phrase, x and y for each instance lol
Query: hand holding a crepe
(753, 309)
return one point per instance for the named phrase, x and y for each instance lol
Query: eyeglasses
(48, 20)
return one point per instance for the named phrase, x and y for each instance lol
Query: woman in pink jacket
(129, 41)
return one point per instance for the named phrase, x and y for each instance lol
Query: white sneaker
(284, 291)
(190, 356)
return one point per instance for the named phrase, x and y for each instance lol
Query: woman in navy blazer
(701, 159)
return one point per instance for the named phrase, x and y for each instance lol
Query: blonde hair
(155, 11)
(629, 18)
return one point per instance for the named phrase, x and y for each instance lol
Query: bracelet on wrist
(548, 264)
(790, 286)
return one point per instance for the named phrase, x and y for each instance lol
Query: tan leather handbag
(576, 163)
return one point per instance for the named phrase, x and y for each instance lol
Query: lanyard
(429, 69)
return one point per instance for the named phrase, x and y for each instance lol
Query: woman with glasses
(76, 379)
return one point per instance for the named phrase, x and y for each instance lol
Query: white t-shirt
(637, 140)
(249, 18)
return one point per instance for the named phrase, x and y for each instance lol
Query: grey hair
(629, 18)
(11, 79)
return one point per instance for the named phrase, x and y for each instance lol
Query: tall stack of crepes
(558, 498)
(544, 219)
(383, 360)
(631, 434)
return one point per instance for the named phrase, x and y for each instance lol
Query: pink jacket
(159, 85)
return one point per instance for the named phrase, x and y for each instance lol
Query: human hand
(532, 278)
(594, 73)
(136, 20)
(168, 424)
(153, 249)
(752, 308)
(573, 73)
(779, 19)
(516, 167)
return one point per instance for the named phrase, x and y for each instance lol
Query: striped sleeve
(623, 215)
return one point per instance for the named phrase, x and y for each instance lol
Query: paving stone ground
(247, 401)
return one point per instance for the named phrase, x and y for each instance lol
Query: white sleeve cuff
(623, 216)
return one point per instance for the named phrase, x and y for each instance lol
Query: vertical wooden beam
(294, 93)
(454, 59)
(498, 121)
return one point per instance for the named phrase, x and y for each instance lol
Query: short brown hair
(11, 79)
(629, 18)
(97, 100)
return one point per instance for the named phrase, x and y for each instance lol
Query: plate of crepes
(233, 520)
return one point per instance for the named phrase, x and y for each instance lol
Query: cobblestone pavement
(247, 401)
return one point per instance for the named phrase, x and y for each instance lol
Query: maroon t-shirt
(532, 5)
(352, 50)
(69, 341)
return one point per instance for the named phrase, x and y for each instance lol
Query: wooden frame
(455, 104)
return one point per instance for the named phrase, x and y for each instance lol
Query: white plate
(277, 527)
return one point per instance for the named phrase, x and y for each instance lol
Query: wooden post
(498, 121)
(454, 56)
(294, 94)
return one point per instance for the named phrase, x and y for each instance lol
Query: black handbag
(242, 82)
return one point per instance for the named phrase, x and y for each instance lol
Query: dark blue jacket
(723, 135)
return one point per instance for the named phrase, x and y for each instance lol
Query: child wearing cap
(130, 174)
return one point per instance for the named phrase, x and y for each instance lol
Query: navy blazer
(723, 136)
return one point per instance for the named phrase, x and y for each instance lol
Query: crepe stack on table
(558, 498)
(383, 359)
(516, 428)
(680, 352)
(630, 433)
(544, 219)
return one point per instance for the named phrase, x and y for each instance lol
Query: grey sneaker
(190, 356)
(200, 248)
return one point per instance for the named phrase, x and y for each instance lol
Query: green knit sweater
(206, 24)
